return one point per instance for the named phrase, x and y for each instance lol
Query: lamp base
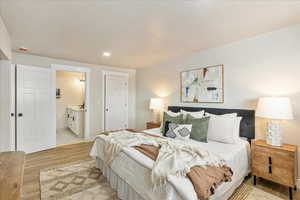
(274, 136)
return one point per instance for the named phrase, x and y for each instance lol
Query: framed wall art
(203, 85)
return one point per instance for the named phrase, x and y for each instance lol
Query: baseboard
(298, 183)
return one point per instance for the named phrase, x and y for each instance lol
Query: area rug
(82, 181)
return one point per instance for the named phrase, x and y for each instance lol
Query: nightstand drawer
(275, 172)
(268, 156)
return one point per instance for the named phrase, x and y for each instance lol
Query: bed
(131, 177)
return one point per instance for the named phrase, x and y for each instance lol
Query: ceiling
(138, 33)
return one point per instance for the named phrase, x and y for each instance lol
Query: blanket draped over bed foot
(205, 170)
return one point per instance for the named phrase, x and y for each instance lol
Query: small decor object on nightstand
(277, 164)
(156, 105)
(274, 108)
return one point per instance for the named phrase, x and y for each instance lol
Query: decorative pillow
(179, 131)
(172, 114)
(197, 114)
(236, 131)
(221, 128)
(199, 127)
(176, 119)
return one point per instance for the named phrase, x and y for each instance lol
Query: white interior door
(35, 109)
(12, 107)
(116, 102)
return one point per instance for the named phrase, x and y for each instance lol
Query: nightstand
(277, 164)
(153, 125)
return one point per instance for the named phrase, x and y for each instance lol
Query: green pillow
(176, 120)
(199, 127)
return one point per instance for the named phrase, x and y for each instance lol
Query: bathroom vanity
(75, 120)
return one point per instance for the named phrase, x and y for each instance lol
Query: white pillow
(236, 132)
(227, 115)
(223, 128)
(173, 114)
(179, 131)
(197, 114)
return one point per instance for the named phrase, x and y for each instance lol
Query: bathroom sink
(76, 107)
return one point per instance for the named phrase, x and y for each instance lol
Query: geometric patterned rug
(82, 181)
(79, 181)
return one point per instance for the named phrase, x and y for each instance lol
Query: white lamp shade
(156, 104)
(274, 108)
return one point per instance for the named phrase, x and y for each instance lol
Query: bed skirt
(126, 192)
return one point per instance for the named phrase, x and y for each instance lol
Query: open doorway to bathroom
(70, 107)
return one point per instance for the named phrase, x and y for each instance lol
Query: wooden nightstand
(278, 164)
(152, 125)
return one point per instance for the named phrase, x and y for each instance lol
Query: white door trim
(104, 73)
(56, 67)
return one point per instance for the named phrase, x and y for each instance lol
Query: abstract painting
(203, 85)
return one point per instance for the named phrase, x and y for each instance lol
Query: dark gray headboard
(247, 127)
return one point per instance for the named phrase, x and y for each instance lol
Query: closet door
(116, 100)
(35, 109)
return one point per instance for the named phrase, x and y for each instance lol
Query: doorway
(70, 105)
(72, 86)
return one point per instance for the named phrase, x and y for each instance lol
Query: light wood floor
(50, 158)
(57, 156)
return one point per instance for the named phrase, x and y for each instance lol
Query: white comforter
(236, 156)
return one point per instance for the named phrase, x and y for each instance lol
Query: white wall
(72, 93)
(5, 45)
(96, 85)
(5, 105)
(265, 65)
(5, 56)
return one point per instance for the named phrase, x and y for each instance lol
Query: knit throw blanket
(175, 157)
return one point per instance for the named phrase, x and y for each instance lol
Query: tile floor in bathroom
(66, 136)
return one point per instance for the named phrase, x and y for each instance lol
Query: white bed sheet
(136, 177)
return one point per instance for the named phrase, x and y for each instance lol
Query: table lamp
(156, 105)
(275, 109)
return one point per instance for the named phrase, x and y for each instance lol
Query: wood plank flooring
(53, 157)
(50, 158)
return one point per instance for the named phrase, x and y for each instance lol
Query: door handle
(20, 115)
(106, 109)
(12, 114)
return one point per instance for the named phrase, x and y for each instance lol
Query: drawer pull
(270, 169)
(270, 160)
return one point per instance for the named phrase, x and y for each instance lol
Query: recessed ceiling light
(106, 54)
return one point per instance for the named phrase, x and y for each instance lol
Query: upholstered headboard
(247, 127)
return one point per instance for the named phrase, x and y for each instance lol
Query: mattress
(134, 178)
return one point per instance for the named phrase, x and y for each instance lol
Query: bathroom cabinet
(75, 120)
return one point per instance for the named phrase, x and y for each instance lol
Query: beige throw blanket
(174, 157)
(205, 179)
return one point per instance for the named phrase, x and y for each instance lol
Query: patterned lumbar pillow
(179, 131)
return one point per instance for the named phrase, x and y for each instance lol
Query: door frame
(104, 73)
(87, 71)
